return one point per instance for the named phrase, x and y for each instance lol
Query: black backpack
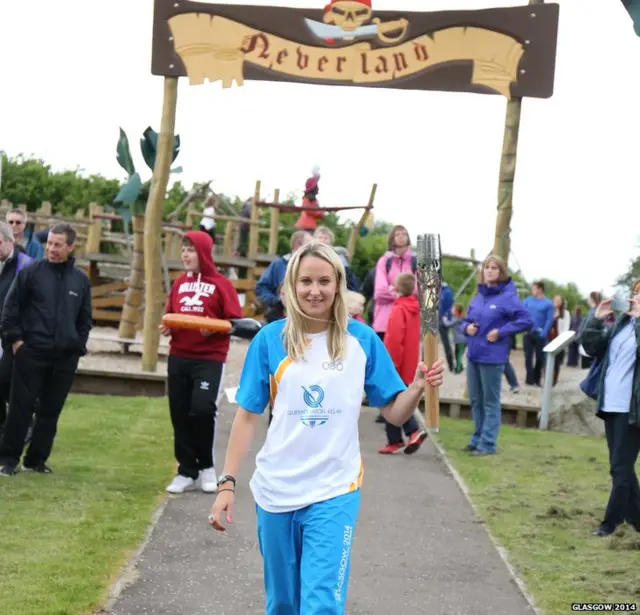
(414, 264)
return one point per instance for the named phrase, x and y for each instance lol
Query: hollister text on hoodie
(205, 293)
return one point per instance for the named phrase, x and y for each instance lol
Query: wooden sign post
(429, 277)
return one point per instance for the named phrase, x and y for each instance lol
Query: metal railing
(551, 349)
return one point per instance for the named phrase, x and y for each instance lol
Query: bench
(125, 342)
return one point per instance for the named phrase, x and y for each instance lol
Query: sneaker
(390, 449)
(9, 469)
(469, 448)
(41, 468)
(515, 390)
(415, 441)
(380, 418)
(180, 484)
(208, 480)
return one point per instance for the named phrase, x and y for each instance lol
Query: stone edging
(128, 574)
(499, 548)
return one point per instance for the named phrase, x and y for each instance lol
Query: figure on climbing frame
(309, 219)
(313, 367)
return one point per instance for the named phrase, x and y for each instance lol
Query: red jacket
(402, 338)
(308, 218)
(207, 293)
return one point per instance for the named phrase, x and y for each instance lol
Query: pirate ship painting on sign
(346, 20)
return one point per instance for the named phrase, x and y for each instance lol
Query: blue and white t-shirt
(312, 449)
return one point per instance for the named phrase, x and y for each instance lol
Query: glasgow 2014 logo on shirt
(314, 414)
(313, 397)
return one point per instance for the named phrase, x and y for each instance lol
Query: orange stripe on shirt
(358, 482)
(274, 381)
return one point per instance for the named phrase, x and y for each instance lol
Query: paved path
(418, 548)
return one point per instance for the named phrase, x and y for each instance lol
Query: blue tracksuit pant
(307, 556)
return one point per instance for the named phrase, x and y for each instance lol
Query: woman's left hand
(433, 376)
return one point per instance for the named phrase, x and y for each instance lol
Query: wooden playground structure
(114, 260)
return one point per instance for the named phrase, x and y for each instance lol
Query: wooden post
(253, 229)
(502, 240)
(274, 231)
(94, 230)
(154, 297)
(130, 316)
(355, 231)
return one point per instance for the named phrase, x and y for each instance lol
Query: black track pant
(194, 385)
(35, 377)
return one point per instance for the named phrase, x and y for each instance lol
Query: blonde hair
(293, 334)
(355, 302)
(323, 230)
(494, 258)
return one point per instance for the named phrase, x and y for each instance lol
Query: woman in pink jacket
(399, 259)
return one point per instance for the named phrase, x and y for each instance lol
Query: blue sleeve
(382, 383)
(267, 285)
(549, 320)
(34, 249)
(253, 390)
(520, 320)
(446, 302)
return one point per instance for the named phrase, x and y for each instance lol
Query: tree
(632, 274)
(31, 181)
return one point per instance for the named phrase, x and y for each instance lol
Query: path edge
(502, 552)
(126, 576)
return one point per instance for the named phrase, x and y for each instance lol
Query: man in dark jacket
(45, 323)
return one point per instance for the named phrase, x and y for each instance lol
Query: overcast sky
(72, 75)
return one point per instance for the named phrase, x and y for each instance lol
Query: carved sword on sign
(429, 278)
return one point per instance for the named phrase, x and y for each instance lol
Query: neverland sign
(508, 51)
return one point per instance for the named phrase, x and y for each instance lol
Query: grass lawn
(541, 497)
(64, 537)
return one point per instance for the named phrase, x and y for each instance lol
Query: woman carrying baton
(314, 367)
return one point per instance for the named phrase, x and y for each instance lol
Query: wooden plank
(117, 259)
(112, 316)
(111, 287)
(116, 339)
(102, 302)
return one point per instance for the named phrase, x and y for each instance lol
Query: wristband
(226, 489)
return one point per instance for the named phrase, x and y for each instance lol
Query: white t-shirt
(312, 449)
(207, 219)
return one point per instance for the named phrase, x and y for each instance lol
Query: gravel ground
(107, 356)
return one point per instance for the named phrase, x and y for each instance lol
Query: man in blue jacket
(30, 241)
(446, 303)
(541, 310)
(268, 286)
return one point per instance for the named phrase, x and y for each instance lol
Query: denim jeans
(510, 375)
(484, 383)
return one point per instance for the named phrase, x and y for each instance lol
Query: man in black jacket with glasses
(45, 323)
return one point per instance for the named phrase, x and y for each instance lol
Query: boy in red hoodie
(196, 363)
(402, 340)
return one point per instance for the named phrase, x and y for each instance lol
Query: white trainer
(180, 484)
(208, 480)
